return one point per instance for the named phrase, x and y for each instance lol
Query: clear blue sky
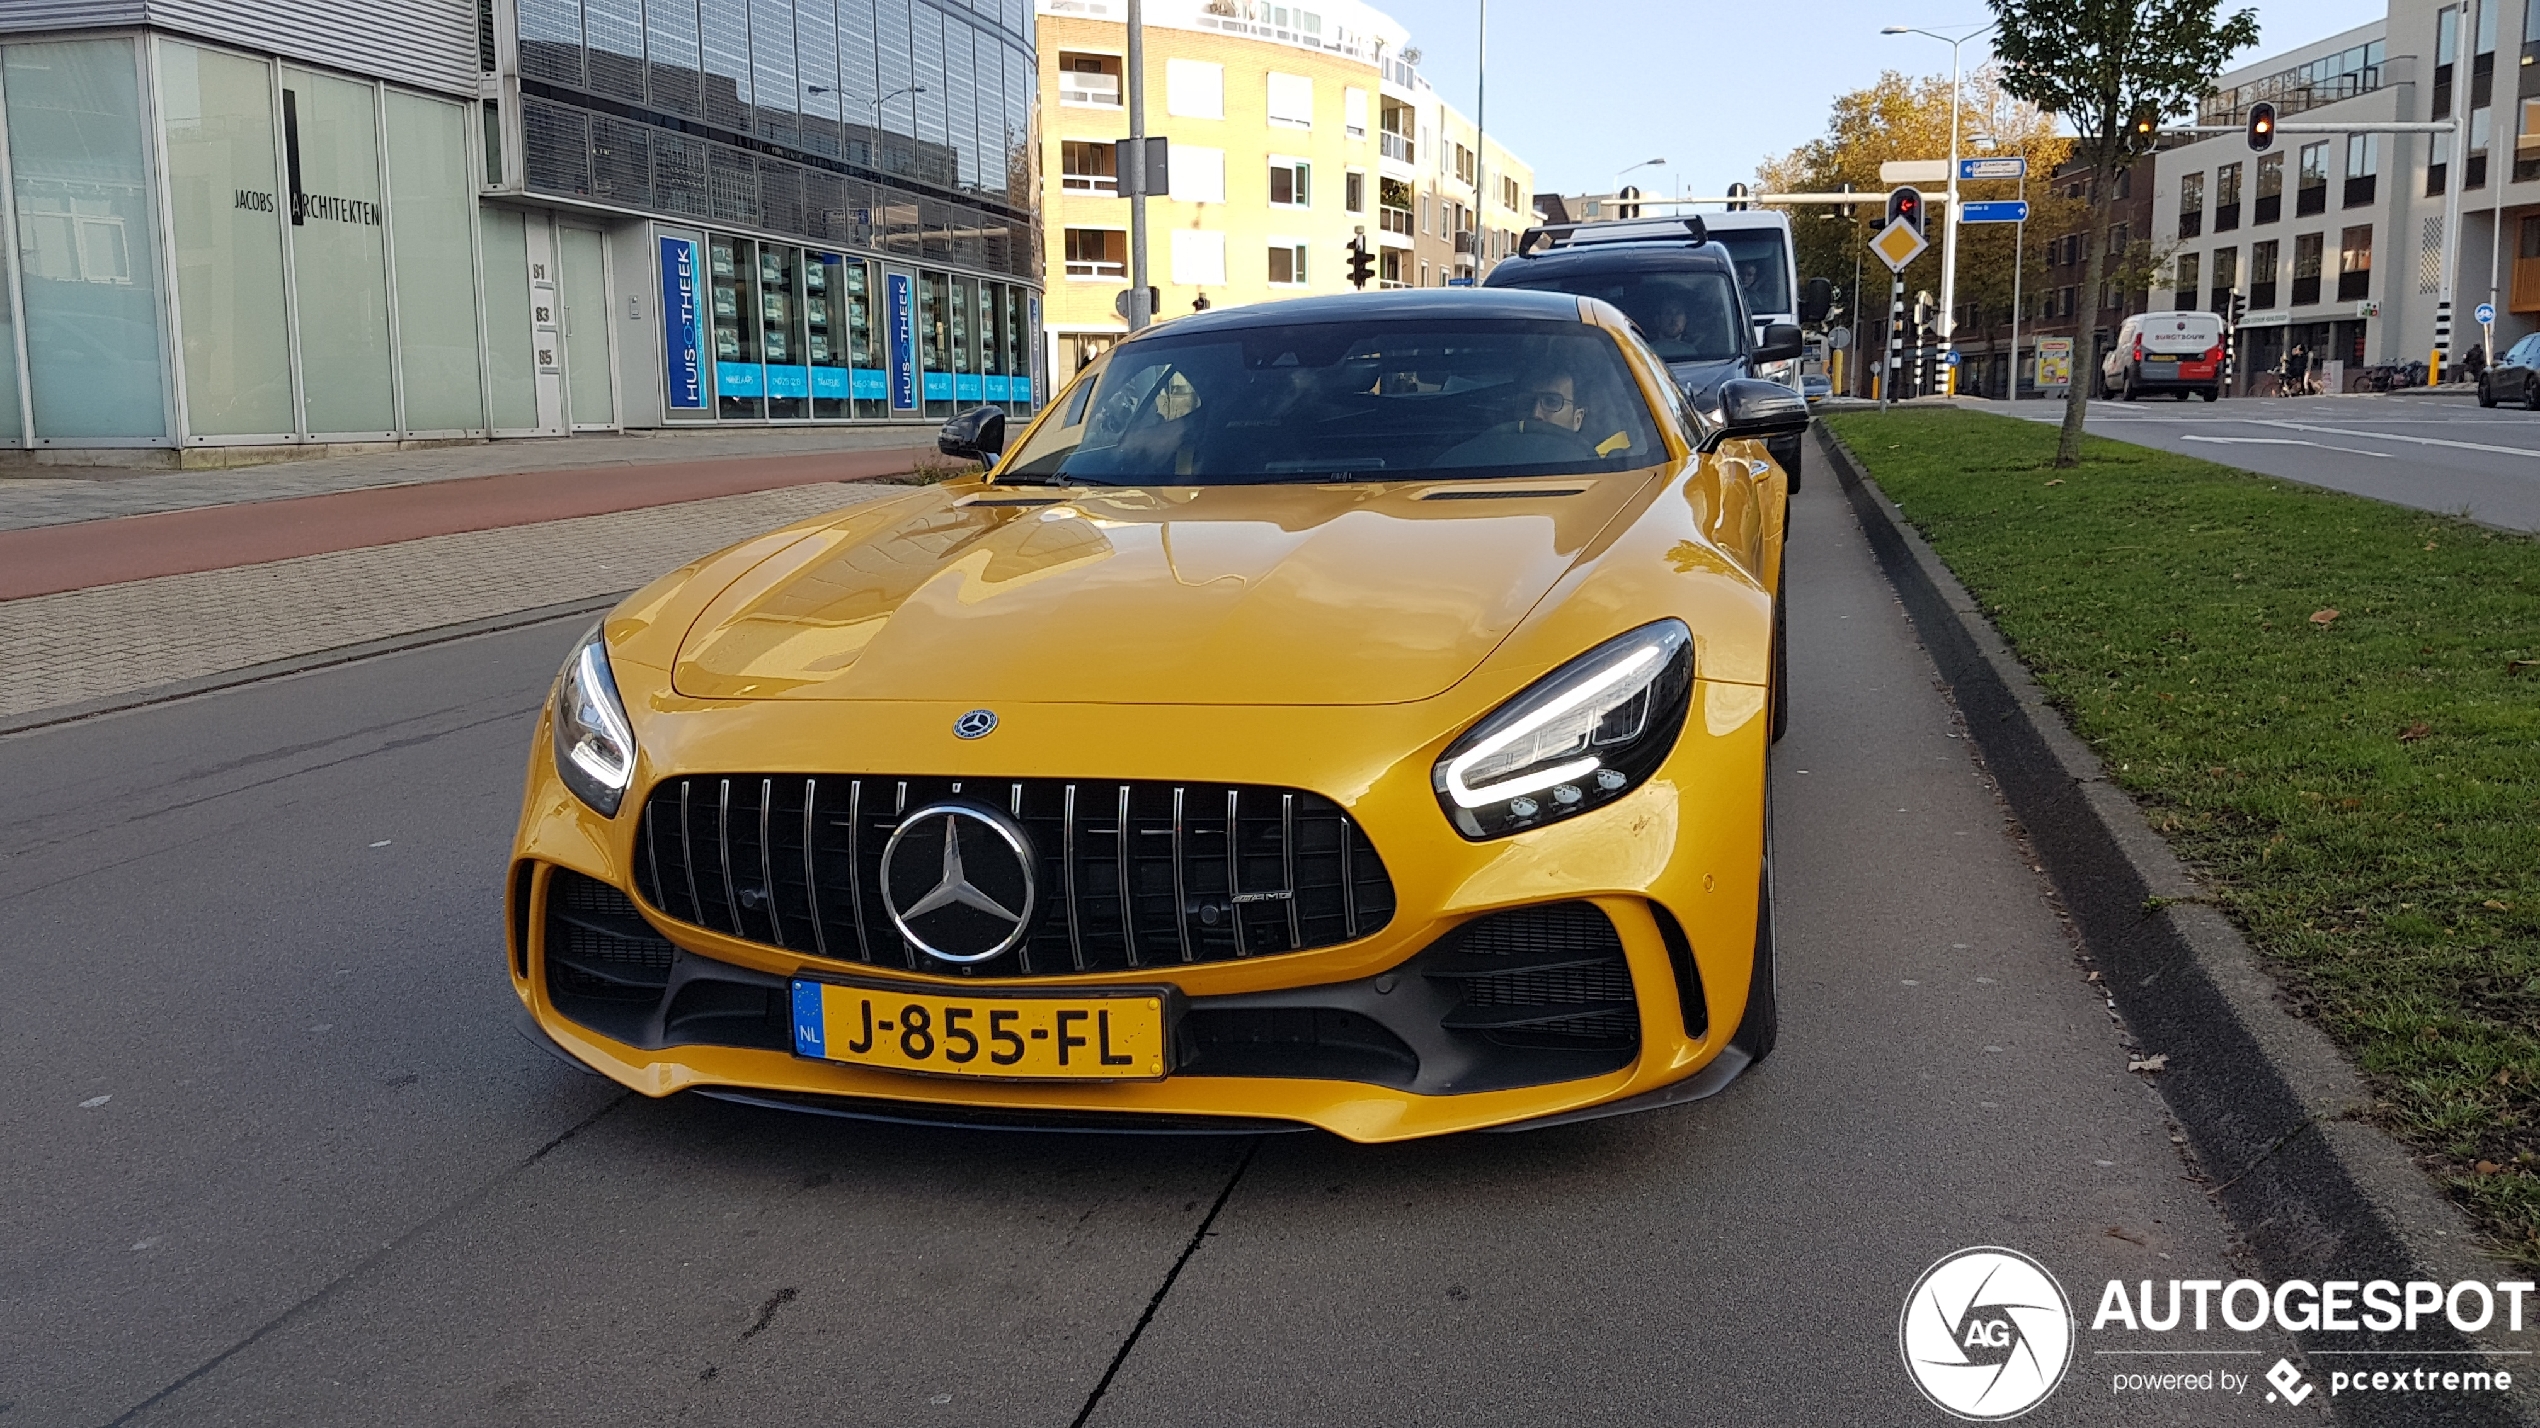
(1580, 88)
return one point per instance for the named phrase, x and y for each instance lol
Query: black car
(2513, 377)
(1681, 290)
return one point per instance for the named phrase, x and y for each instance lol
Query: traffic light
(2261, 127)
(2235, 307)
(1847, 210)
(1737, 197)
(1362, 264)
(1906, 204)
(2146, 123)
(1626, 203)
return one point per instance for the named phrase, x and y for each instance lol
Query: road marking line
(2393, 436)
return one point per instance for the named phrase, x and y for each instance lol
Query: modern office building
(1291, 128)
(250, 223)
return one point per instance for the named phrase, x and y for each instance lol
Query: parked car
(1681, 289)
(1300, 724)
(1816, 387)
(2180, 353)
(2513, 377)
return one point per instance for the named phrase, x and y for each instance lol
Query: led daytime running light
(1467, 796)
(595, 744)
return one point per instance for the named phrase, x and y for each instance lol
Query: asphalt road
(2437, 453)
(276, 1156)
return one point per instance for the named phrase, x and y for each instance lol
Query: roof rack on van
(1560, 235)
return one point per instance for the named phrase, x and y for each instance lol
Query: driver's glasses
(1552, 404)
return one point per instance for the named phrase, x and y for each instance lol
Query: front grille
(1550, 977)
(608, 970)
(1130, 874)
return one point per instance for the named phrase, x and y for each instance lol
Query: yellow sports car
(1348, 712)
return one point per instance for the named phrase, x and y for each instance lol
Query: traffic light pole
(1139, 313)
(1895, 341)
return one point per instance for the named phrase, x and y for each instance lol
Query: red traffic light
(1906, 204)
(2261, 126)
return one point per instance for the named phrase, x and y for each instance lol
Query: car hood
(1359, 594)
(1701, 381)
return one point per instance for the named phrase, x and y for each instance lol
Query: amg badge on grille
(977, 724)
(957, 879)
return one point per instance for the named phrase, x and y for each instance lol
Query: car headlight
(1578, 738)
(595, 745)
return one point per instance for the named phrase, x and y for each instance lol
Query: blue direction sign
(2486, 313)
(2011, 167)
(2007, 210)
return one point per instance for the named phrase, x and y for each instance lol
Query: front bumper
(1361, 1039)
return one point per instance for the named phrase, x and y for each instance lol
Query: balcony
(1095, 90)
(1397, 147)
(1105, 184)
(1096, 268)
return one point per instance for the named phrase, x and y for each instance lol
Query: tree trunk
(2086, 334)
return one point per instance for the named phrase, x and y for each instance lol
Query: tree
(2115, 70)
(1908, 118)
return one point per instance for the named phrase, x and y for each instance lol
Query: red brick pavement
(47, 559)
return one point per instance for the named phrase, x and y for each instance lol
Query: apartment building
(1292, 130)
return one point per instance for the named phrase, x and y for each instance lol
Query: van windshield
(1367, 401)
(1763, 269)
(1684, 316)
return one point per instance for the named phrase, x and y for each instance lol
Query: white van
(2173, 352)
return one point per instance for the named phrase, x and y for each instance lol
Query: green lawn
(2330, 706)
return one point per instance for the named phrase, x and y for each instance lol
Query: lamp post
(1618, 177)
(1948, 254)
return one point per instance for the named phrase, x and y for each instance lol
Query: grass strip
(2330, 707)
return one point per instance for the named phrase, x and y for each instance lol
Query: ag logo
(1986, 1334)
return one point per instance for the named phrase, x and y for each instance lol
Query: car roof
(1502, 303)
(1639, 256)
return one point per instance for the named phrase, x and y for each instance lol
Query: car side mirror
(976, 435)
(1749, 408)
(1816, 300)
(1782, 343)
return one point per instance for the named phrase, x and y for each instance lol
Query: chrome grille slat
(1333, 884)
(811, 868)
(767, 859)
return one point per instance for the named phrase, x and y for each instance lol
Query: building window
(1287, 264)
(1194, 89)
(1511, 197)
(2354, 264)
(2306, 268)
(2438, 163)
(1354, 191)
(2270, 205)
(2125, 183)
(1291, 183)
(2363, 165)
(1464, 170)
(2226, 198)
(1087, 167)
(1393, 206)
(2190, 268)
(2119, 235)
(2262, 265)
(1354, 113)
(1291, 101)
(1097, 253)
(2476, 176)
(1089, 80)
(2226, 277)
(2191, 204)
(2312, 194)
(2527, 134)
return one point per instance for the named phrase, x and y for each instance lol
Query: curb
(2269, 1104)
(59, 714)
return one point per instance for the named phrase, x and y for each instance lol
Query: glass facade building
(574, 215)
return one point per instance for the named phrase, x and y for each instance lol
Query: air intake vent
(1128, 874)
(1550, 977)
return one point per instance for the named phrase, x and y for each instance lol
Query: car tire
(2211, 394)
(1760, 1027)
(2182, 394)
(1781, 658)
(2486, 398)
(2530, 395)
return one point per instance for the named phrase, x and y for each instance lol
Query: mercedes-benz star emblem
(957, 880)
(977, 724)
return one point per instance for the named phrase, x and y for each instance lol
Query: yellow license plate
(1096, 1037)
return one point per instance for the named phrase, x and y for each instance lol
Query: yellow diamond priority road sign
(1898, 245)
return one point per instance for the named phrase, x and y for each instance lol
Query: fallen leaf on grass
(2492, 905)
(2521, 666)
(2488, 1167)
(2415, 731)
(2429, 545)
(2323, 618)
(2058, 481)
(2149, 1063)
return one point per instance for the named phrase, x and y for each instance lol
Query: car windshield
(1763, 268)
(1363, 401)
(1684, 316)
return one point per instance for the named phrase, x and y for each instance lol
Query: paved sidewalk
(44, 496)
(94, 644)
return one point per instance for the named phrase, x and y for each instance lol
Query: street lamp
(1949, 254)
(1618, 176)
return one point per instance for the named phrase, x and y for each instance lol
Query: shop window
(781, 332)
(226, 207)
(90, 281)
(429, 202)
(934, 343)
(338, 257)
(510, 347)
(732, 311)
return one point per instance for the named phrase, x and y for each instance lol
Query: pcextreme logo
(1986, 1334)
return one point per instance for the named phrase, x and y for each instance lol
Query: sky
(1582, 88)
